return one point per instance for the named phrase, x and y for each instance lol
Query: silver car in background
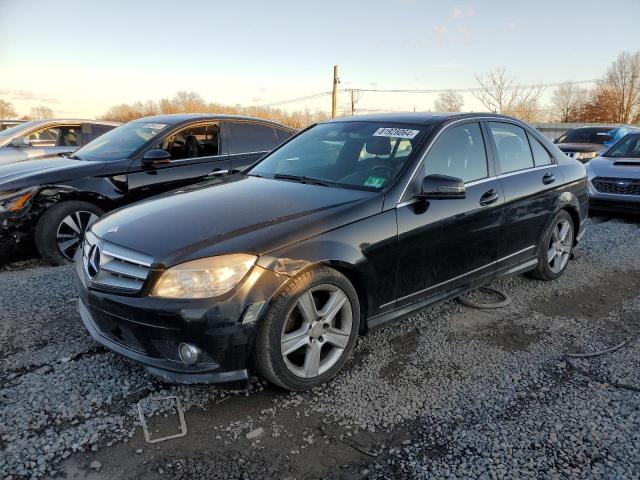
(614, 177)
(41, 138)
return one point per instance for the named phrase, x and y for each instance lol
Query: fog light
(189, 354)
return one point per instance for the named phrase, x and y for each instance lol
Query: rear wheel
(60, 230)
(309, 333)
(554, 250)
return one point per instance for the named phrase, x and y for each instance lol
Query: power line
(402, 90)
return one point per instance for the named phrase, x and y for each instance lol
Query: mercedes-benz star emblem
(93, 261)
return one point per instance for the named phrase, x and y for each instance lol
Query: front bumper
(149, 330)
(611, 202)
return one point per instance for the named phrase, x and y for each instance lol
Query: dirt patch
(510, 337)
(594, 301)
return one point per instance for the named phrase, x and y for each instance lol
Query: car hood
(614, 167)
(233, 215)
(47, 170)
(581, 147)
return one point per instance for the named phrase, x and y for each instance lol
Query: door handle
(489, 197)
(548, 178)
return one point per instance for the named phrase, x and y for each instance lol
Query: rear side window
(459, 153)
(249, 137)
(94, 130)
(540, 154)
(283, 135)
(513, 147)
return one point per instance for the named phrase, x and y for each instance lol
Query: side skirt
(406, 311)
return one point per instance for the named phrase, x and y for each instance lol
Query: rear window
(283, 135)
(246, 137)
(586, 135)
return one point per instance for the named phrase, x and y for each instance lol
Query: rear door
(446, 242)
(529, 176)
(195, 155)
(248, 142)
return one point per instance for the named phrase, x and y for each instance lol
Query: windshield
(120, 142)
(628, 147)
(11, 132)
(586, 135)
(361, 155)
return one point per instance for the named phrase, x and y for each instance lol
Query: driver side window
(193, 142)
(460, 153)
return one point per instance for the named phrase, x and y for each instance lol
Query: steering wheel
(386, 168)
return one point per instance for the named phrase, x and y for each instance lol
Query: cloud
(27, 96)
(440, 29)
(458, 12)
(512, 26)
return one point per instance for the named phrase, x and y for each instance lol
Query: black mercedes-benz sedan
(348, 225)
(52, 201)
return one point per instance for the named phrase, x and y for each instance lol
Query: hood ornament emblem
(93, 262)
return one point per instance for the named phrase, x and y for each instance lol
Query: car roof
(71, 120)
(421, 118)
(185, 117)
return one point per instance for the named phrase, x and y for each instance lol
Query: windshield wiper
(303, 179)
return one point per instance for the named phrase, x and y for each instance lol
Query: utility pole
(355, 97)
(334, 93)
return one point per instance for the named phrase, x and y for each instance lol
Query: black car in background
(585, 143)
(54, 200)
(352, 223)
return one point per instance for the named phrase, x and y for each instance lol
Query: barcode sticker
(396, 132)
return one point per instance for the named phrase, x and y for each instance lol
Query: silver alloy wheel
(560, 245)
(316, 331)
(71, 230)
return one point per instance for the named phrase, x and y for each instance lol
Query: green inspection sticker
(376, 182)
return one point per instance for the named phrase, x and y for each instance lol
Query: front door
(444, 243)
(195, 156)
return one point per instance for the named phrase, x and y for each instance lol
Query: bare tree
(448, 102)
(192, 102)
(568, 101)
(620, 87)
(501, 94)
(40, 113)
(6, 110)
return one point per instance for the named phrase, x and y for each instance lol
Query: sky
(79, 57)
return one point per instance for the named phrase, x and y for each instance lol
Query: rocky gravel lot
(452, 392)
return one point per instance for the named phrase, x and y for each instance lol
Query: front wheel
(310, 331)
(554, 250)
(60, 230)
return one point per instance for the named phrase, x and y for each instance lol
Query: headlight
(586, 155)
(14, 200)
(204, 278)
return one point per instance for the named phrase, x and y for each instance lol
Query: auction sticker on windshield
(396, 132)
(376, 182)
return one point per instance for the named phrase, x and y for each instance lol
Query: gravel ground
(450, 392)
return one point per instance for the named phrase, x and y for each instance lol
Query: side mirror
(19, 142)
(441, 187)
(155, 157)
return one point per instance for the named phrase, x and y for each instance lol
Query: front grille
(114, 266)
(618, 186)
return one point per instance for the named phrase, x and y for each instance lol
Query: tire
(330, 336)
(66, 221)
(547, 268)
